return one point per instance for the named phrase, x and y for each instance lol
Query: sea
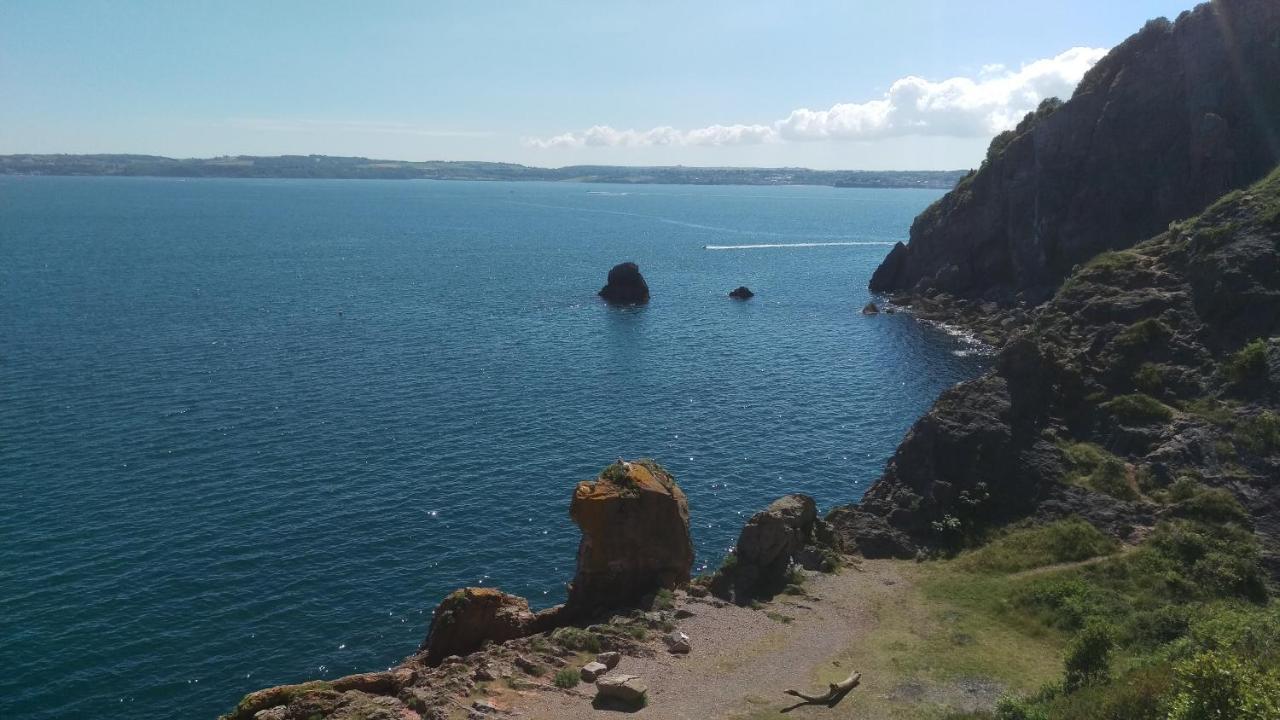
(252, 431)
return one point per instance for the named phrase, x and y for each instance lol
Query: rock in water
(468, 617)
(635, 536)
(742, 292)
(626, 689)
(625, 285)
(870, 309)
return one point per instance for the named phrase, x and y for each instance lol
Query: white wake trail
(791, 245)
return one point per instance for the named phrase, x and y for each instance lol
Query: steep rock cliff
(1151, 366)
(1169, 120)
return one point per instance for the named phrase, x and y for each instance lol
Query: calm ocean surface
(251, 431)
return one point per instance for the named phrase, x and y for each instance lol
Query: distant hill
(326, 166)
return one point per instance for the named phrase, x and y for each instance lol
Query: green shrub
(1215, 686)
(1009, 707)
(1143, 334)
(664, 599)
(1248, 364)
(1089, 655)
(1064, 541)
(1259, 434)
(1138, 409)
(1099, 470)
(566, 678)
(573, 638)
(1149, 378)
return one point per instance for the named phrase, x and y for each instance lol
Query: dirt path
(743, 659)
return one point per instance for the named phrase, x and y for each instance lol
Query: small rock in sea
(677, 643)
(683, 613)
(593, 670)
(625, 285)
(870, 309)
(741, 293)
(626, 689)
(890, 310)
(609, 659)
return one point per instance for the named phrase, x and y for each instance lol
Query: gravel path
(743, 659)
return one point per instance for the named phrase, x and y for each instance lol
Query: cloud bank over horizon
(957, 107)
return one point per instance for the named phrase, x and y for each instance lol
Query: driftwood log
(835, 691)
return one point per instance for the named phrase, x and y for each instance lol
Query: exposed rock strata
(1170, 119)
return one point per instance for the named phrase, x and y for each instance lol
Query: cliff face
(1151, 367)
(1169, 120)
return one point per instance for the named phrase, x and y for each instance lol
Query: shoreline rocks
(625, 285)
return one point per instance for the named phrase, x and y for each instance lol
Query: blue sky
(827, 84)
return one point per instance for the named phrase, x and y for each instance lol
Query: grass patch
(1149, 378)
(1064, 541)
(1259, 434)
(573, 638)
(1142, 334)
(664, 599)
(1138, 409)
(1095, 468)
(566, 678)
(1248, 364)
(779, 617)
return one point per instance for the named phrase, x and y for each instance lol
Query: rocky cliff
(1169, 120)
(1152, 369)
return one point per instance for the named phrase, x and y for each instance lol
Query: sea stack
(635, 536)
(625, 285)
(742, 292)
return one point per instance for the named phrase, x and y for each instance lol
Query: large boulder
(625, 285)
(786, 533)
(635, 536)
(469, 617)
(626, 690)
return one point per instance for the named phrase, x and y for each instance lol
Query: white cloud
(959, 107)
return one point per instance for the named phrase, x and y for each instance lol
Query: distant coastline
(359, 168)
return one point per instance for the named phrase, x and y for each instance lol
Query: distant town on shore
(331, 167)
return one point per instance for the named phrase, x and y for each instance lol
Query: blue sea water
(252, 430)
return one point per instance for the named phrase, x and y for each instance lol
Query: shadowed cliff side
(1169, 120)
(1152, 369)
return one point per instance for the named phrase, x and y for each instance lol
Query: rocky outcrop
(635, 536)
(742, 292)
(1169, 120)
(1149, 365)
(786, 534)
(470, 617)
(870, 309)
(625, 285)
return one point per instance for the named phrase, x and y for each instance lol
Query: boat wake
(791, 245)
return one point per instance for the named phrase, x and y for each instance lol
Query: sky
(830, 84)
